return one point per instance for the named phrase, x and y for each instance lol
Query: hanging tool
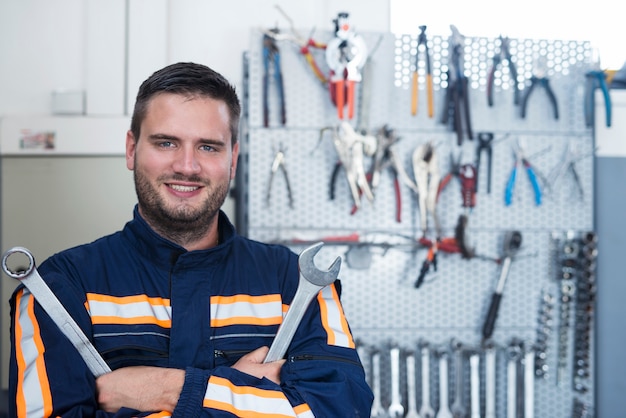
(351, 148)
(305, 45)
(386, 158)
(567, 164)
(30, 278)
(422, 44)
(485, 140)
(427, 178)
(520, 159)
(279, 164)
(511, 245)
(503, 55)
(346, 55)
(596, 79)
(457, 93)
(271, 57)
(312, 280)
(540, 79)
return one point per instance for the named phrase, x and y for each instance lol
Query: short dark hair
(188, 79)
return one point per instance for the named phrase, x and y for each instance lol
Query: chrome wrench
(48, 301)
(426, 410)
(474, 362)
(529, 383)
(312, 280)
(444, 409)
(458, 410)
(410, 387)
(395, 410)
(490, 382)
(377, 407)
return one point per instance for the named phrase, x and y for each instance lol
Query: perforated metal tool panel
(381, 301)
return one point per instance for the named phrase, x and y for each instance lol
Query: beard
(181, 223)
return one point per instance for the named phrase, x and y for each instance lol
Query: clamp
(346, 55)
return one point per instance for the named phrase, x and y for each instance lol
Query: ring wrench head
(21, 273)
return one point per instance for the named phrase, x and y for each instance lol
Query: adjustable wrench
(395, 410)
(444, 409)
(410, 387)
(474, 362)
(312, 280)
(57, 312)
(426, 411)
(458, 409)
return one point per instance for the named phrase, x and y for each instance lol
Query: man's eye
(207, 148)
(165, 144)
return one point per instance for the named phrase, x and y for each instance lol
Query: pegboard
(379, 295)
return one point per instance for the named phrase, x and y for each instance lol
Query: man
(182, 309)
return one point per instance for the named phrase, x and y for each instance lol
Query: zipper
(227, 353)
(306, 357)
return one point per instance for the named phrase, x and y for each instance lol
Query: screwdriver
(512, 243)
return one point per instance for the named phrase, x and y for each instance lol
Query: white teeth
(179, 188)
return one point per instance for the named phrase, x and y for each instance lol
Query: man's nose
(187, 161)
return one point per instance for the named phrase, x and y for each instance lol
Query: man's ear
(131, 146)
(235, 159)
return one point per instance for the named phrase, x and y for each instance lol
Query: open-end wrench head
(21, 273)
(318, 277)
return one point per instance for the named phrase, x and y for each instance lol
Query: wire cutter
(520, 159)
(567, 163)
(457, 92)
(279, 163)
(540, 78)
(346, 55)
(503, 55)
(422, 41)
(596, 79)
(271, 56)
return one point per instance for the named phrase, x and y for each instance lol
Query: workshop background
(67, 83)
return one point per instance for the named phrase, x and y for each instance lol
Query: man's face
(183, 163)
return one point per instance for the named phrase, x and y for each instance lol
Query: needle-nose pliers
(520, 159)
(271, 56)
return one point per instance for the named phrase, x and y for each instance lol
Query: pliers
(346, 55)
(520, 159)
(422, 41)
(457, 92)
(540, 78)
(385, 157)
(279, 163)
(485, 140)
(427, 178)
(567, 163)
(504, 54)
(596, 79)
(271, 56)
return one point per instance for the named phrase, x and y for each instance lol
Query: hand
(143, 388)
(252, 364)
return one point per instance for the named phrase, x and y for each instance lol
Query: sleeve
(323, 365)
(47, 376)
